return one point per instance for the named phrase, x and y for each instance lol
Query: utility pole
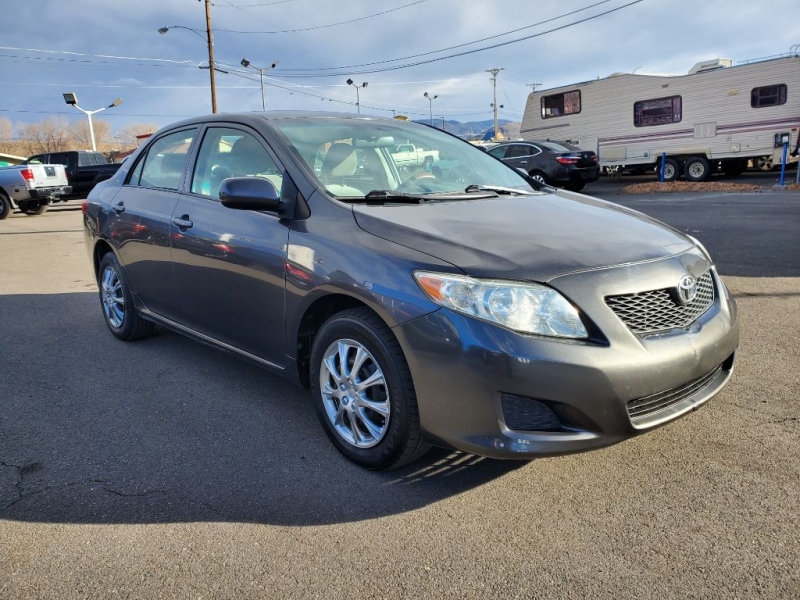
(494, 73)
(211, 57)
(534, 86)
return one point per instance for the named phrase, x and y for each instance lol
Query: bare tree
(6, 130)
(81, 138)
(49, 135)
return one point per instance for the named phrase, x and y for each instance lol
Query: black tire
(402, 441)
(5, 207)
(427, 164)
(697, 169)
(539, 177)
(575, 186)
(33, 207)
(734, 168)
(131, 325)
(672, 170)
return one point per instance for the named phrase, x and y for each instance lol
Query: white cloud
(654, 36)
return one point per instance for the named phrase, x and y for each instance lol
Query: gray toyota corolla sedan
(456, 303)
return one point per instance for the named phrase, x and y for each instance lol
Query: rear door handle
(118, 208)
(182, 222)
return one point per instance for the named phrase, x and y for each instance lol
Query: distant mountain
(477, 129)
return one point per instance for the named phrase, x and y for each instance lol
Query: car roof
(255, 117)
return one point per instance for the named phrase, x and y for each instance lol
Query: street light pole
(358, 97)
(72, 99)
(209, 38)
(246, 63)
(430, 105)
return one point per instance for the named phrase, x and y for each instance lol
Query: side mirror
(249, 193)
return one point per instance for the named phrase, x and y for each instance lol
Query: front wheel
(672, 170)
(363, 392)
(115, 298)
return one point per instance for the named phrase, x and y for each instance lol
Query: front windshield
(352, 157)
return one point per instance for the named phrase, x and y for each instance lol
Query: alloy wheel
(113, 297)
(354, 393)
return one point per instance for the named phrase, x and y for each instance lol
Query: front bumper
(464, 370)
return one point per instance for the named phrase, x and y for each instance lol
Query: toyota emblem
(687, 289)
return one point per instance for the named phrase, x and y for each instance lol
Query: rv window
(558, 105)
(660, 111)
(770, 95)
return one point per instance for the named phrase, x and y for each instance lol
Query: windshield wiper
(381, 196)
(498, 189)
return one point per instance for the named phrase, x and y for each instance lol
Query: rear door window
(518, 151)
(59, 158)
(163, 165)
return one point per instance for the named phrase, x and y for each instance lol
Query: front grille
(641, 408)
(657, 310)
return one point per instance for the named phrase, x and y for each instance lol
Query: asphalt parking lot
(164, 468)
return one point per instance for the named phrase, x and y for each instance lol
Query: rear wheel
(5, 207)
(697, 169)
(575, 186)
(115, 298)
(363, 392)
(33, 207)
(539, 177)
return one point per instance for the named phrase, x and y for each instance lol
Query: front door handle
(118, 208)
(182, 222)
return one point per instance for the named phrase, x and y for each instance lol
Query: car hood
(531, 238)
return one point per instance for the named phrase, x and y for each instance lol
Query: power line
(465, 53)
(254, 5)
(462, 45)
(363, 18)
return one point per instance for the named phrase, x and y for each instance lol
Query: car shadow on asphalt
(94, 430)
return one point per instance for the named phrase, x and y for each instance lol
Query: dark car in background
(554, 163)
(469, 307)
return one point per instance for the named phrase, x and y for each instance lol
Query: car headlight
(701, 248)
(523, 307)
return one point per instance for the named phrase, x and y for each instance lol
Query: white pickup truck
(30, 188)
(410, 156)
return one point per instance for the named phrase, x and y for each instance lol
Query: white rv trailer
(717, 115)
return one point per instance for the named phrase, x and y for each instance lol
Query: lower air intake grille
(649, 405)
(526, 414)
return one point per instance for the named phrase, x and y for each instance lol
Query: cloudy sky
(402, 48)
